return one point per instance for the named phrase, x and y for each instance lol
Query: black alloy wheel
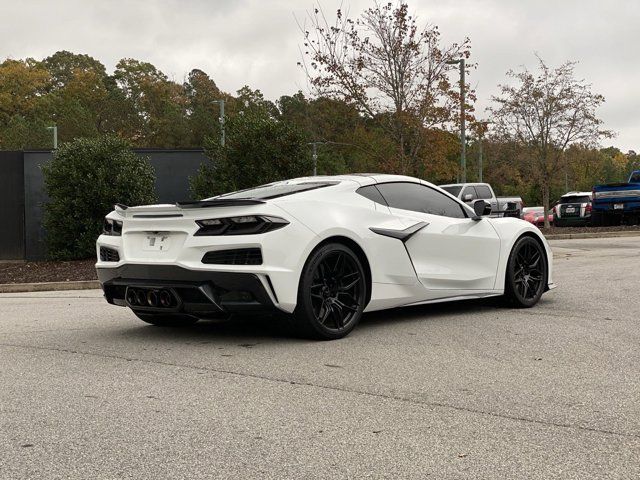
(332, 293)
(527, 273)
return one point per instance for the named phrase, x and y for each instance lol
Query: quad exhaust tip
(148, 297)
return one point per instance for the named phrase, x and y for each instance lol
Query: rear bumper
(200, 292)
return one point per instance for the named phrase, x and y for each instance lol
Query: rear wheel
(332, 293)
(164, 320)
(527, 273)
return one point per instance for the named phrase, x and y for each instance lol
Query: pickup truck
(500, 206)
(616, 203)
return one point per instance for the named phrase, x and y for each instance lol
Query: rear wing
(221, 202)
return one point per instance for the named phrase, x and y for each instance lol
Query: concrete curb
(48, 286)
(569, 236)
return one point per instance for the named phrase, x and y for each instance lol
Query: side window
(372, 193)
(420, 198)
(484, 192)
(469, 191)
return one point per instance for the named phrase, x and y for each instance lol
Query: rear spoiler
(214, 202)
(220, 202)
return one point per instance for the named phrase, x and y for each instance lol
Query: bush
(84, 180)
(258, 150)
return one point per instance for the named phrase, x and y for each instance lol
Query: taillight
(241, 225)
(587, 209)
(112, 227)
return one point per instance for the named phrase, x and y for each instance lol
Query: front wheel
(332, 293)
(527, 273)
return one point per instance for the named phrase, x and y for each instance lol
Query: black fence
(22, 194)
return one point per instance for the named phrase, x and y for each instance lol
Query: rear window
(635, 178)
(575, 199)
(275, 190)
(453, 190)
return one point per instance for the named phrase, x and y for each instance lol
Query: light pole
(221, 120)
(55, 136)
(463, 140)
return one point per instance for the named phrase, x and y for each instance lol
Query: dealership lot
(467, 390)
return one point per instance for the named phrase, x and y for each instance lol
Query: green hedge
(259, 149)
(84, 180)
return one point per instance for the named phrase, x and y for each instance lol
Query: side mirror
(468, 197)
(481, 208)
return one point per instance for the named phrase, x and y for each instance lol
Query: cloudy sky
(256, 42)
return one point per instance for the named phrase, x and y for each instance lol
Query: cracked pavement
(462, 390)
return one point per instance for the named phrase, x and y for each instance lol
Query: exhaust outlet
(152, 299)
(141, 298)
(165, 298)
(131, 296)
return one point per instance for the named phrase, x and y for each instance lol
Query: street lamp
(55, 136)
(221, 120)
(463, 158)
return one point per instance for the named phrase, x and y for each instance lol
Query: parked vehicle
(381, 241)
(573, 209)
(535, 215)
(500, 206)
(616, 203)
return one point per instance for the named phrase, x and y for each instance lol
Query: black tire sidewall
(510, 290)
(305, 316)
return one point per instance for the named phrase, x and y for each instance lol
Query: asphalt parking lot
(465, 390)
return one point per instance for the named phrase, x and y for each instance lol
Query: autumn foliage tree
(545, 113)
(391, 68)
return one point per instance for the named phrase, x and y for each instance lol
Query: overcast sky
(256, 42)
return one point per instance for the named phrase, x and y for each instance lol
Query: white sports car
(321, 249)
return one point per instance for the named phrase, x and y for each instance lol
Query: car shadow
(267, 327)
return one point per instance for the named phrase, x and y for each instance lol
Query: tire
(527, 273)
(163, 320)
(332, 293)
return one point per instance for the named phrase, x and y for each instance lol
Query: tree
(258, 149)
(84, 180)
(160, 104)
(393, 71)
(545, 113)
(24, 105)
(202, 95)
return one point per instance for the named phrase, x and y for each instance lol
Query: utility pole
(480, 158)
(463, 140)
(54, 129)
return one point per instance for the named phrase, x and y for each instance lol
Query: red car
(535, 215)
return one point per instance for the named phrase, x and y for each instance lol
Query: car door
(452, 254)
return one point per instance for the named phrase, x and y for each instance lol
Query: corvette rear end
(199, 258)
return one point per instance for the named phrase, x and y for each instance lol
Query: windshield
(453, 190)
(635, 178)
(575, 199)
(274, 190)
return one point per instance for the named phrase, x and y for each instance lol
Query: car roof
(473, 184)
(577, 194)
(360, 178)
